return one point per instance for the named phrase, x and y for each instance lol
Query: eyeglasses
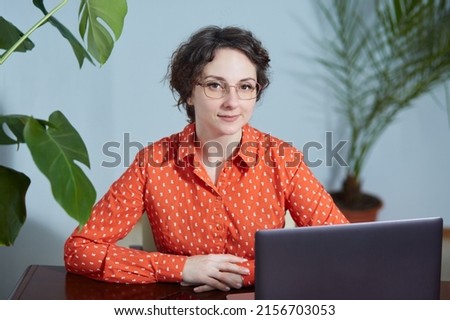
(216, 89)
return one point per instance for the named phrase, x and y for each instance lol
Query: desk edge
(23, 282)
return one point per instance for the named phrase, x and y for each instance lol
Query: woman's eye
(246, 87)
(214, 85)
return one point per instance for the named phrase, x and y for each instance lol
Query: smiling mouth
(228, 117)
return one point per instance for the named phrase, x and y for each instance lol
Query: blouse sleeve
(92, 250)
(306, 199)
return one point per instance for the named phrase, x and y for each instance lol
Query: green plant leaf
(9, 35)
(16, 124)
(94, 15)
(4, 137)
(77, 47)
(55, 150)
(13, 187)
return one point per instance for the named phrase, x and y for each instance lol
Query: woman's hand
(214, 271)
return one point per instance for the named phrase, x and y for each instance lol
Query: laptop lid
(372, 260)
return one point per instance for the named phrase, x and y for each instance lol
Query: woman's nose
(232, 98)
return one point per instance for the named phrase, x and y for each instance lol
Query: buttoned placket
(217, 207)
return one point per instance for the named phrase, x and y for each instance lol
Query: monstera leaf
(56, 147)
(94, 14)
(100, 20)
(15, 123)
(54, 150)
(13, 187)
(10, 34)
(95, 17)
(77, 47)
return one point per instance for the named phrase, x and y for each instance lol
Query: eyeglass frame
(227, 89)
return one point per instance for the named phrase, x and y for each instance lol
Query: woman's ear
(189, 101)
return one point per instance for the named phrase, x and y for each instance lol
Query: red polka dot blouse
(190, 215)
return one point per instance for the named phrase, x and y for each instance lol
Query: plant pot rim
(366, 201)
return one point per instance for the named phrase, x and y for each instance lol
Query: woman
(207, 189)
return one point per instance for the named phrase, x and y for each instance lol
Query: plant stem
(26, 35)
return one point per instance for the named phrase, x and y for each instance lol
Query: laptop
(372, 260)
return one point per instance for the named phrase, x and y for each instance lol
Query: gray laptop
(374, 260)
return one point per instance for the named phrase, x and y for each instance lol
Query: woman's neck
(218, 147)
(216, 150)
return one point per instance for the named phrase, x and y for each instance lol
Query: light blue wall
(408, 168)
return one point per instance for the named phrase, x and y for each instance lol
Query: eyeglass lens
(246, 90)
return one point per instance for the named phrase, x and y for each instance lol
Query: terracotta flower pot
(364, 210)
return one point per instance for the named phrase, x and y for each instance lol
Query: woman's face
(216, 118)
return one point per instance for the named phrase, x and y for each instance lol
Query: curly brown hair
(190, 58)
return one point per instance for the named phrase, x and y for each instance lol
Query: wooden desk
(54, 283)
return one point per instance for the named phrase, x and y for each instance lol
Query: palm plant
(378, 67)
(55, 145)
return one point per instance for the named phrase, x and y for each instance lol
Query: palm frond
(377, 68)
